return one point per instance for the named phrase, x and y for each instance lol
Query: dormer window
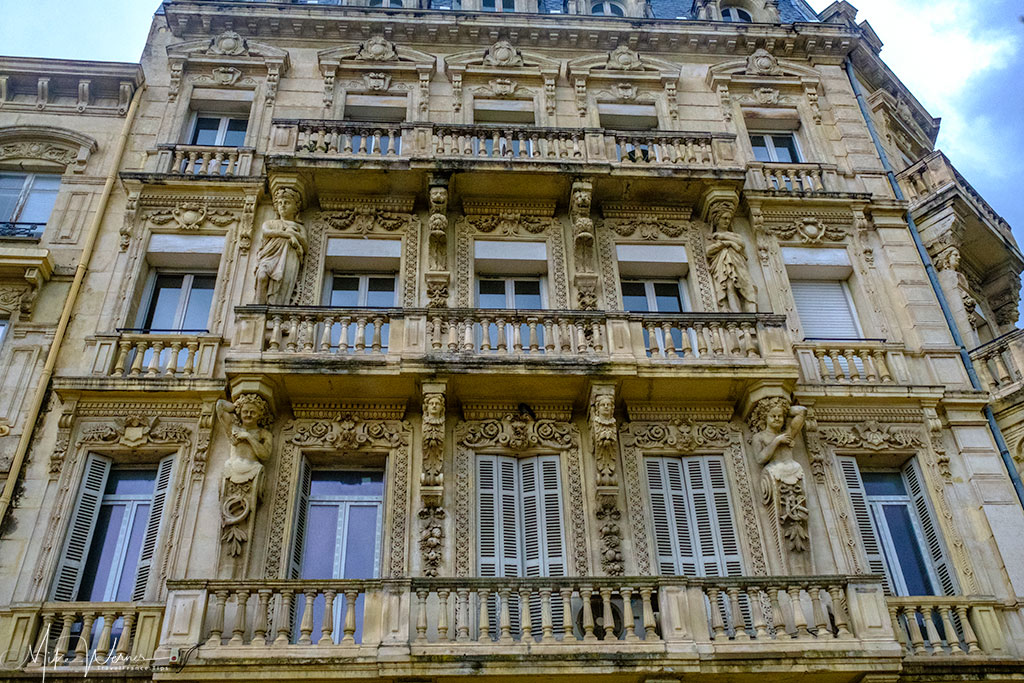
(389, 4)
(607, 9)
(736, 15)
(498, 5)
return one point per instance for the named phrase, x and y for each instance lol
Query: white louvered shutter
(83, 523)
(164, 472)
(301, 520)
(671, 519)
(824, 309)
(487, 522)
(551, 516)
(862, 515)
(935, 548)
(730, 557)
(533, 519)
(509, 528)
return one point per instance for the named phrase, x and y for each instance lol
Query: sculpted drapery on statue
(782, 477)
(733, 286)
(245, 421)
(280, 256)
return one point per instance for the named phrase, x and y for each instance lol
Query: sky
(963, 59)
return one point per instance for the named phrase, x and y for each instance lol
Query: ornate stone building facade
(514, 340)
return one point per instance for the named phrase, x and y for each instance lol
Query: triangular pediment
(376, 52)
(227, 47)
(503, 56)
(622, 62)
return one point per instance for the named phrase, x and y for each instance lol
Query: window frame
(510, 291)
(345, 503)
(649, 292)
(851, 304)
(24, 194)
(607, 5)
(770, 146)
(364, 286)
(222, 128)
(499, 6)
(734, 15)
(149, 296)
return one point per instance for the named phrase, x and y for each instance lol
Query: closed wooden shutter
(301, 520)
(824, 309)
(164, 473)
(933, 539)
(672, 533)
(862, 515)
(83, 523)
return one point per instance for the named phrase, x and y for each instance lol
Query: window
(26, 201)
(346, 290)
(663, 296)
(212, 130)
(391, 4)
(775, 147)
(114, 529)
(498, 6)
(826, 309)
(607, 9)
(178, 302)
(337, 535)
(898, 529)
(694, 528)
(4, 323)
(510, 293)
(735, 14)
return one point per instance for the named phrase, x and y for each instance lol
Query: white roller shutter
(164, 473)
(83, 522)
(825, 309)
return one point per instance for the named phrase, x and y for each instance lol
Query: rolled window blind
(824, 309)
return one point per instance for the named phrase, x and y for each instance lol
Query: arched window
(390, 4)
(607, 9)
(737, 15)
(498, 6)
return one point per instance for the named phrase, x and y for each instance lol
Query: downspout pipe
(65, 317)
(933, 278)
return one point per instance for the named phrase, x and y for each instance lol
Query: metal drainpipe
(65, 317)
(933, 278)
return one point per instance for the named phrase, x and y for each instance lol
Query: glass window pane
(126, 582)
(908, 551)
(760, 146)
(330, 484)
(206, 131)
(489, 6)
(616, 10)
(634, 297)
(527, 294)
(235, 134)
(361, 542)
(381, 292)
(164, 304)
(321, 541)
(785, 148)
(11, 185)
(345, 291)
(100, 561)
(666, 294)
(883, 483)
(200, 299)
(130, 482)
(598, 9)
(492, 294)
(41, 198)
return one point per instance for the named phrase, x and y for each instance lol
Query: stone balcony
(203, 161)
(798, 179)
(428, 145)
(603, 625)
(1000, 364)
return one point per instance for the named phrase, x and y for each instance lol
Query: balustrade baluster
(653, 348)
(525, 614)
(839, 613)
(172, 359)
(238, 632)
(154, 360)
(628, 622)
(778, 620)
(952, 637)
(122, 356)
(421, 615)
(190, 358)
(442, 613)
(883, 368)
(502, 340)
(750, 345)
(549, 336)
(851, 364)
(462, 616)
(607, 616)
(378, 334)
(650, 623)
(82, 647)
(903, 635)
(218, 162)
(547, 631)
(343, 337)
(739, 621)
(566, 333)
(670, 345)
(505, 622)
(360, 344)
(306, 625)
(969, 637)
(350, 616)
(274, 344)
(453, 336)
(293, 334)
(534, 341)
(799, 618)
(43, 637)
(484, 621)
(916, 637)
(124, 641)
(325, 334)
(517, 337)
(468, 331)
(733, 338)
(932, 631)
(103, 644)
(566, 594)
(760, 619)
(485, 334)
(284, 618)
(718, 627)
(717, 339)
(821, 624)
(582, 345)
(307, 334)
(178, 164)
(327, 623)
(217, 625)
(259, 629)
(64, 639)
(868, 364)
(140, 352)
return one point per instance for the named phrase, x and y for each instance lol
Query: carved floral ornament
(135, 431)
(364, 220)
(47, 144)
(873, 436)
(509, 223)
(191, 216)
(809, 230)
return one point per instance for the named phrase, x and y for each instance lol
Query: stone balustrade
(155, 355)
(803, 178)
(947, 626)
(204, 160)
(509, 143)
(852, 361)
(999, 363)
(101, 635)
(457, 334)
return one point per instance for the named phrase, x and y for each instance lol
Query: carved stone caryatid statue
(782, 477)
(280, 256)
(432, 513)
(604, 430)
(433, 438)
(437, 276)
(604, 434)
(734, 288)
(245, 421)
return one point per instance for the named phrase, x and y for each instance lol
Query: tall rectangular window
(898, 529)
(775, 147)
(826, 309)
(694, 528)
(178, 302)
(111, 542)
(26, 202)
(213, 130)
